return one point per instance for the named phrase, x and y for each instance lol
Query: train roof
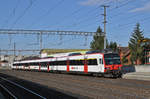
(102, 52)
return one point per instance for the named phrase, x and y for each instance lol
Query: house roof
(124, 50)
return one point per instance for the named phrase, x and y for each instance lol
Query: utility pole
(40, 40)
(14, 50)
(40, 43)
(104, 24)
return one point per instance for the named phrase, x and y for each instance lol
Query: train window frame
(76, 62)
(101, 60)
(92, 62)
(43, 64)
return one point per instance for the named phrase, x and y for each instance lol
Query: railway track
(17, 91)
(14, 88)
(6, 93)
(88, 86)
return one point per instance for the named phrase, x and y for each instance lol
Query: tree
(136, 49)
(113, 46)
(98, 41)
(124, 60)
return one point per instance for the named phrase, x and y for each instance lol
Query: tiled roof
(124, 50)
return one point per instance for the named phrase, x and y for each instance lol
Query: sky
(71, 15)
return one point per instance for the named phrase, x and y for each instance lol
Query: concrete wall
(138, 68)
(142, 68)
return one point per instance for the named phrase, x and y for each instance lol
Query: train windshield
(111, 59)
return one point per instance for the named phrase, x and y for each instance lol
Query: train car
(106, 64)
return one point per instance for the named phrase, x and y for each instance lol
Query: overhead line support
(104, 24)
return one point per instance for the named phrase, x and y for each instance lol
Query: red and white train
(107, 64)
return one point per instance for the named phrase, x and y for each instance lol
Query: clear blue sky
(75, 15)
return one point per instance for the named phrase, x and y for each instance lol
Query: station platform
(137, 75)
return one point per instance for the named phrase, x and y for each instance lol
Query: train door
(101, 67)
(52, 65)
(56, 65)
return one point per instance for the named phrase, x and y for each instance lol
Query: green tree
(136, 48)
(98, 41)
(124, 60)
(113, 46)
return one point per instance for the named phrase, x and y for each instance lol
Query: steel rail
(4, 88)
(23, 88)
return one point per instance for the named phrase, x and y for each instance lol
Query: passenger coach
(107, 64)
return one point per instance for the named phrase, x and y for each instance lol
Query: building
(125, 56)
(60, 52)
(147, 56)
(4, 63)
(7, 60)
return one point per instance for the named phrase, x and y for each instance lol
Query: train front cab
(112, 65)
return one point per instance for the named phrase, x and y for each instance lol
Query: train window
(50, 63)
(72, 62)
(30, 64)
(27, 64)
(101, 61)
(62, 62)
(112, 59)
(54, 63)
(76, 62)
(80, 62)
(92, 62)
(36, 64)
(43, 64)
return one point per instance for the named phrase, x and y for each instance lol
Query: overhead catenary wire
(74, 13)
(142, 20)
(23, 13)
(12, 14)
(68, 16)
(121, 5)
(48, 12)
(117, 7)
(77, 22)
(81, 22)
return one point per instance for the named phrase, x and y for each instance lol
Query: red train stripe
(67, 65)
(48, 69)
(104, 63)
(85, 66)
(39, 67)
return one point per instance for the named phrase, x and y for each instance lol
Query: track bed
(87, 86)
